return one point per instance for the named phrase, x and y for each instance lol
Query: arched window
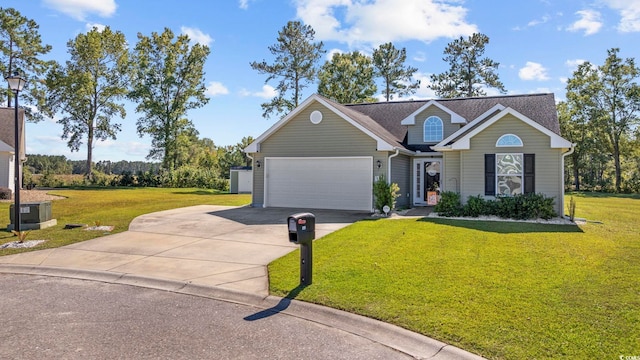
(509, 140)
(433, 129)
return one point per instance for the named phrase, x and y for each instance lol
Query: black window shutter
(529, 173)
(490, 174)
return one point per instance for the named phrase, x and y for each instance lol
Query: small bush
(475, 206)
(385, 194)
(572, 208)
(449, 204)
(5, 193)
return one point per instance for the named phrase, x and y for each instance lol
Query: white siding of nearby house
(6, 170)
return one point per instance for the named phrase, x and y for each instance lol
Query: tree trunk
(616, 160)
(89, 172)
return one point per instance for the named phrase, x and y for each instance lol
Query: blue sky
(538, 44)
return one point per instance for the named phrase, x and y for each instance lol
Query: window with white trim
(509, 174)
(433, 129)
(509, 140)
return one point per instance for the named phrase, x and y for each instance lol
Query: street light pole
(16, 83)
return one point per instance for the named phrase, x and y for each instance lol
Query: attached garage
(343, 183)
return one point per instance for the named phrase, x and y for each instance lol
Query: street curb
(395, 337)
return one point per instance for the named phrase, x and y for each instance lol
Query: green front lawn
(501, 290)
(115, 207)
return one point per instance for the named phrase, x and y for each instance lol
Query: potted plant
(433, 194)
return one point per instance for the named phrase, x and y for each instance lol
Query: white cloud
(268, 92)
(332, 52)
(196, 36)
(574, 63)
(535, 22)
(533, 71)
(420, 56)
(90, 26)
(589, 22)
(79, 9)
(244, 4)
(424, 92)
(629, 14)
(216, 88)
(378, 21)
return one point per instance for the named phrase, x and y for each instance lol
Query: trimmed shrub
(5, 193)
(385, 194)
(449, 204)
(475, 206)
(519, 207)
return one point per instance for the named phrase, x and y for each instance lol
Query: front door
(426, 177)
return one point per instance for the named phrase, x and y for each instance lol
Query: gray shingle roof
(7, 125)
(540, 108)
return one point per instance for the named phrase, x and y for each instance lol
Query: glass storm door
(426, 177)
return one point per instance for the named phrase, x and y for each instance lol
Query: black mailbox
(302, 228)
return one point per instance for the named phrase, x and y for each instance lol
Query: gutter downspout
(252, 175)
(573, 148)
(389, 165)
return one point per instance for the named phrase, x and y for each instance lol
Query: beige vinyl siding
(401, 175)
(333, 136)
(452, 170)
(548, 161)
(415, 133)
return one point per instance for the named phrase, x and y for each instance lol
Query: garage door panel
(323, 183)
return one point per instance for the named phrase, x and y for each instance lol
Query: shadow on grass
(280, 307)
(505, 227)
(201, 192)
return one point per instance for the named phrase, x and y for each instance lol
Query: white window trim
(424, 128)
(499, 174)
(505, 135)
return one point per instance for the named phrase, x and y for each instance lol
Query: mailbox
(302, 228)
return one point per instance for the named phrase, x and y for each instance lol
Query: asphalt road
(57, 318)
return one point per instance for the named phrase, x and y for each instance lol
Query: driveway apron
(226, 247)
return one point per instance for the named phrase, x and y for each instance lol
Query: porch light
(379, 164)
(258, 163)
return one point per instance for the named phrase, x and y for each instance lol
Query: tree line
(601, 116)
(218, 159)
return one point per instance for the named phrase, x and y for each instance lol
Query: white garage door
(323, 183)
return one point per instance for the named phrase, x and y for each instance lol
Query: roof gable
(461, 139)
(411, 119)
(384, 139)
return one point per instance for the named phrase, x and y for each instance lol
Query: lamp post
(16, 83)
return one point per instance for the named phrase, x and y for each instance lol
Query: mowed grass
(112, 207)
(500, 290)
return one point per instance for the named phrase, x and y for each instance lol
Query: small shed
(241, 180)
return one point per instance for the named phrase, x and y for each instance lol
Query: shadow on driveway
(272, 216)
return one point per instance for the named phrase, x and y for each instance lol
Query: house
(7, 145)
(327, 155)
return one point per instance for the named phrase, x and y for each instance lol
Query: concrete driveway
(226, 247)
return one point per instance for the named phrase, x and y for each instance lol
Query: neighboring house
(7, 145)
(327, 155)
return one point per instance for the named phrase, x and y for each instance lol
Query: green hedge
(520, 207)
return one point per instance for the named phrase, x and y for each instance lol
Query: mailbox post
(302, 231)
